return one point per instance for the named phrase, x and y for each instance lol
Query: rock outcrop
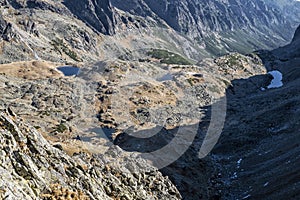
(32, 168)
(296, 35)
(6, 30)
(99, 14)
(2, 25)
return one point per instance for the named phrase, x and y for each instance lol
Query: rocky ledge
(33, 168)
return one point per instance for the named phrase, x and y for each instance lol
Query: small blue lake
(105, 133)
(69, 70)
(166, 77)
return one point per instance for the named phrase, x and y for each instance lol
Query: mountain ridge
(205, 29)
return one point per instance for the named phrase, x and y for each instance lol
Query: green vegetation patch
(234, 60)
(61, 128)
(60, 46)
(168, 57)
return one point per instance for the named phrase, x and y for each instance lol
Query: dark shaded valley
(257, 155)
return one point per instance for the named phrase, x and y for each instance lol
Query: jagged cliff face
(290, 8)
(296, 35)
(99, 14)
(199, 18)
(5, 30)
(213, 23)
(287, 58)
(50, 30)
(193, 17)
(47, 29)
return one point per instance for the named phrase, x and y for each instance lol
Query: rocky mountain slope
(144, 98)
(32, 168)
(200, 18)
(256, 156)
(147, 103)
(88, 31)
(259, 151)
(290, 8)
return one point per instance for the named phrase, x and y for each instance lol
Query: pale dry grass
(31, 69)
(59, 192)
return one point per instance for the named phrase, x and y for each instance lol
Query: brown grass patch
(31, 69)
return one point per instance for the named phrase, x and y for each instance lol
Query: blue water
(105, 133)
(277, 79)
(69, 70)
(166, 77)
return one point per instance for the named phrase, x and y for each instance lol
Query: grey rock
(99, 14)
(31, 168)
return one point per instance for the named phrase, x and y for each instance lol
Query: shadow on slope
(203, 178)
(261, 130)
(259, 148)
(257, 155)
